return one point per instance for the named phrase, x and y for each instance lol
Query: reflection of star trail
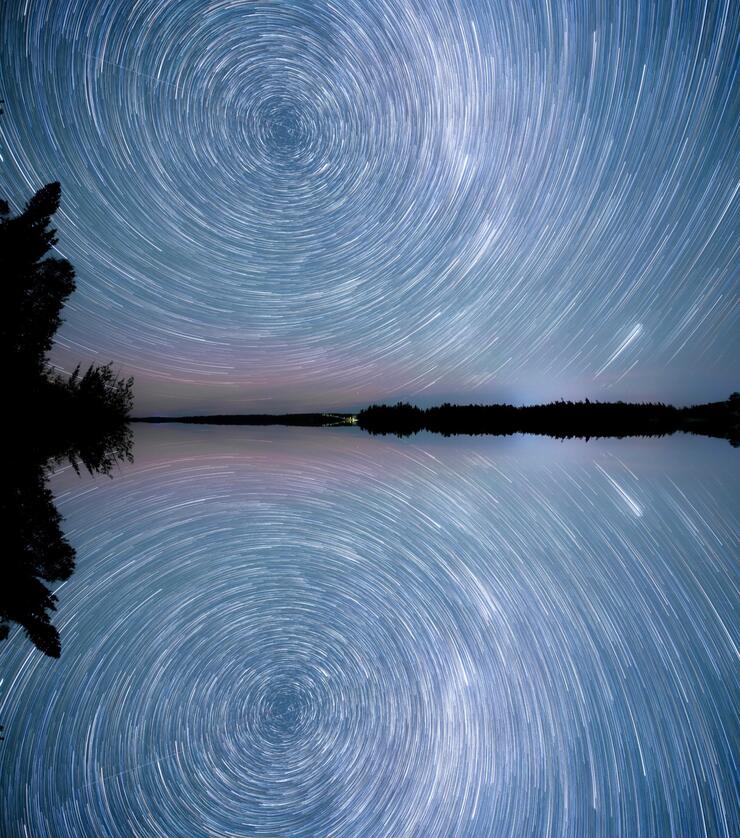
(304, 633)
(321, 203)
(628, 499)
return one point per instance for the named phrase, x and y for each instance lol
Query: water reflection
(36, 550)
(312, 632)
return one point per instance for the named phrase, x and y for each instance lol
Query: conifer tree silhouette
(35, 284)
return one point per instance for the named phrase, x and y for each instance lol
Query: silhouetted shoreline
(561, 419)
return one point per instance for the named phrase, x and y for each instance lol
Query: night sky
(299, 205)
(290, 205)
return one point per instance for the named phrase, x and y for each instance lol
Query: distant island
(561, 419)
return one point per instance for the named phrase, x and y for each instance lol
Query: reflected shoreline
(561, 420)
(38, 552)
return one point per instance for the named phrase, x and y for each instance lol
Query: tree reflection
(37, 552)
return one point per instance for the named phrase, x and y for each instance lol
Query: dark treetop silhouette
(82, 418)
(560, 419)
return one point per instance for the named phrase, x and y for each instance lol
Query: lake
(313, 632)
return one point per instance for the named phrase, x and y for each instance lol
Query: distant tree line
(561, 419)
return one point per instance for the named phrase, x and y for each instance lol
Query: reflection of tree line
(81, 418)
(38, 553)
(560, 419)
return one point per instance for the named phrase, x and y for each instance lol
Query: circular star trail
(319, 203)
(279, 632)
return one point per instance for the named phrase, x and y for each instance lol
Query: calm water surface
(288, 632)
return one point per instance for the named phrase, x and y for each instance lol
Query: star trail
(298, 205)
(311, 632)
(304, 206)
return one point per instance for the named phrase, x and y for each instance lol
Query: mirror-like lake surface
(312, 632)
